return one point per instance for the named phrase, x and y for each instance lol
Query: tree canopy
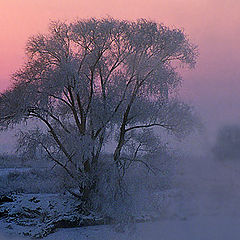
(99, 80)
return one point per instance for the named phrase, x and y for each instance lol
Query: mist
(205, 200)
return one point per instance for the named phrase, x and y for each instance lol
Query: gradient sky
(214, 86)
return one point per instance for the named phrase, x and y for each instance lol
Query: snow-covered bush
(10, 161)
(122, 199)
(28, 180)
(227, 144)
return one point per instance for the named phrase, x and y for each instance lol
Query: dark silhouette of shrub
(227, 144)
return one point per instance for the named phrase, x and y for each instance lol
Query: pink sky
(212, 24)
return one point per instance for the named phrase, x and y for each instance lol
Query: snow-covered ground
(211, 210)
(208, 210)
(195, 228)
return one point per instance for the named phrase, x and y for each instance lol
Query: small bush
(227, 144)
(10, 161)
(136, 194)
(30, 181)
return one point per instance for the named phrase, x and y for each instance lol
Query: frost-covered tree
(95, 81)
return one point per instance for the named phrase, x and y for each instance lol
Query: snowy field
(195, 228)
(208, 210)
(211, 210)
